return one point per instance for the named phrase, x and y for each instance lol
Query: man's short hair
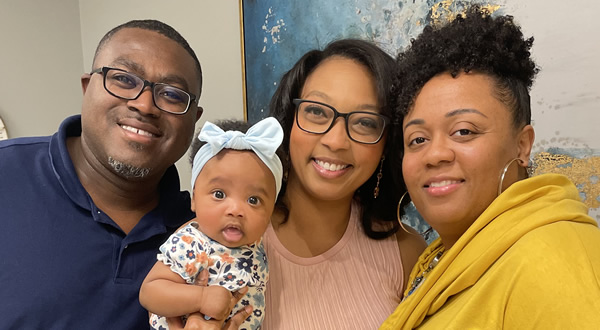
(156, 26)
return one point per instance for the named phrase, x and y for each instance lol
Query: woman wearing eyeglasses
(336, 257)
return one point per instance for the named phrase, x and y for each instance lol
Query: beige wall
(47, 45)
(40, 64)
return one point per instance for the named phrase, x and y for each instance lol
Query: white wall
(566, 93)
(40, 65)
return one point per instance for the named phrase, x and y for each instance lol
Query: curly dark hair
(380, 65)
(158, 27)
(474, 41)
(226, 125)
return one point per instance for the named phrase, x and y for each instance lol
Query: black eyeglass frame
(336, 115)
(152, 85)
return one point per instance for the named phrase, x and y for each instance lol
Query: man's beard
(128, 171)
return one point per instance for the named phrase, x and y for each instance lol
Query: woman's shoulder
(559, 242)
(557, 266)
(561, 252)
(411, 242)
(411, 245)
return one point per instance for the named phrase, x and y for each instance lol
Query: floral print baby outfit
(188, 251)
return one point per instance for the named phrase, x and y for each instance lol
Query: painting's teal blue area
(412, 218)
(309, 24)
(574, 152)
(594, 179)
(565, 165)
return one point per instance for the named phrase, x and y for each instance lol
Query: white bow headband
(263, 138)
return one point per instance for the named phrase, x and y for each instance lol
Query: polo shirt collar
(173, 205)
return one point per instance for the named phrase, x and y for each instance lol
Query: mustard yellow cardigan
(530, 261)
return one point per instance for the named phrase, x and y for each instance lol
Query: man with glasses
(85, 210)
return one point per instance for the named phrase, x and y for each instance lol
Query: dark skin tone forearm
(165, 293)
(197, 320)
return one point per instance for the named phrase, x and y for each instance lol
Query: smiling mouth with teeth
(136, 131)
(329, 166)
(442, 183)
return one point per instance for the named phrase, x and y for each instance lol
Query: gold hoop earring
(503, 173)
(424, 234)
(398, 213)
(379, 176)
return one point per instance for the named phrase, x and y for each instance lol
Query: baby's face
(234, 196)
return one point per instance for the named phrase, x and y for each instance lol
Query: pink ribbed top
(356, 284)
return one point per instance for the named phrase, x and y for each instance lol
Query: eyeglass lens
(129, 86)
(361, 126)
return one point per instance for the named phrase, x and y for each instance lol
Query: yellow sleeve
(556, 284)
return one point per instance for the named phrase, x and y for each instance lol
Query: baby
(236, 177)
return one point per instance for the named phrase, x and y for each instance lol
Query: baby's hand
(199, 321)
(216, 302)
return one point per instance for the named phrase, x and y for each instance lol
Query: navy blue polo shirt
(64, 264)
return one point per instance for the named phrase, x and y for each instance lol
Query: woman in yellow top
(514, 252)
